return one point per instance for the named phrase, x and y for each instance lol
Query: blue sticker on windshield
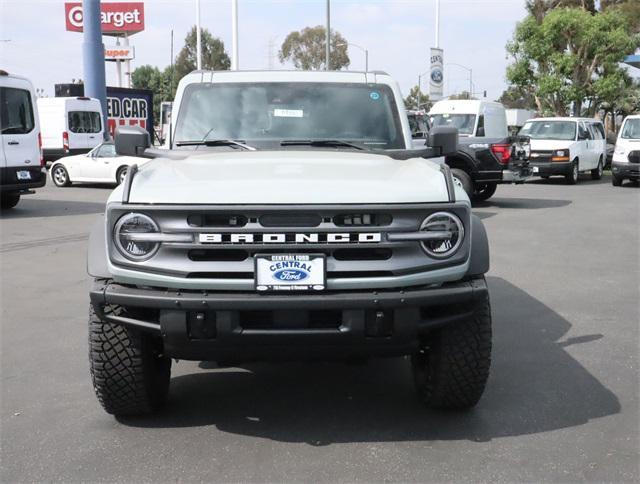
(374, 95)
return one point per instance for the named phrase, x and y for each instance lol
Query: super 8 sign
(120, 17)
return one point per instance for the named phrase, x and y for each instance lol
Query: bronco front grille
(355, 241)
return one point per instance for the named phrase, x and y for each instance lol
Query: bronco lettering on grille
(290, 238)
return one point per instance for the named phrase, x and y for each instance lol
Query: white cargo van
(21, 163)
(70, 125)
(473, 118)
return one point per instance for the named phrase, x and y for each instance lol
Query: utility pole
(198, 38)
(437, 24)
(327, 60)
(93, 57)
(234, 35)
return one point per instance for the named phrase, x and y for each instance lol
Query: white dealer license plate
(290, 272)
(24, 175)
(536, 169)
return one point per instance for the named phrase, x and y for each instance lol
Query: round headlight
(448, 234)
(130, 239)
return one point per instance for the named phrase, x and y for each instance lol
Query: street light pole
(234, 36)
(198, 38)
(470, 71)
(366, 53)
(420, 86)
(327, 60)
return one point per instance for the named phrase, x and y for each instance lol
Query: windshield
(464, 122)
(631, 129)
(564, 130)
(264, 114)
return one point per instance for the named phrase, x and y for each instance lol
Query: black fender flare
(479, 256)
(97, 251)
(462, 161)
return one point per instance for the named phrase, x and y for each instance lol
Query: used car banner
(129, 107)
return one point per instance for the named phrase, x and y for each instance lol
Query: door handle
(13, 143)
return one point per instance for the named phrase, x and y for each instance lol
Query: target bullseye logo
(75, 16)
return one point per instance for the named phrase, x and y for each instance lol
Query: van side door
(585, 146)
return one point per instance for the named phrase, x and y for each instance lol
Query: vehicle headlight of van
(136, 236)
(561, 153)
(620, 151)
(446, 233)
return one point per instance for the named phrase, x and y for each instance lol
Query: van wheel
(596, 174)
(451, 369)
(572, 177)
(464, 179)
(9, 200)
(121, 174)
(60, 176)
(484, 191)
(616, 181)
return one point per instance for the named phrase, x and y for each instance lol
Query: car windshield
(464, 122)
(561, 130)
(265, 114)
(631, 129)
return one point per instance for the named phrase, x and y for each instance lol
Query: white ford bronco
(290, 218)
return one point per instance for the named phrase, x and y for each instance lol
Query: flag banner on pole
(436, 78)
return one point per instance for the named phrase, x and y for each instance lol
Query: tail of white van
(70, 125)
(21, 163)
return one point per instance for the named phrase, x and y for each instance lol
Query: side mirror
(131, 140)
(418, 135)
(444, 138)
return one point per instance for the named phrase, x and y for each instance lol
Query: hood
(550, 144)
(287, 177)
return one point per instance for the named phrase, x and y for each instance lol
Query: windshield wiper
(322, 142)
(217, 142)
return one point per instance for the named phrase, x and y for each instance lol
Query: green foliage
(214, 56)
(417, 99)
(569, 55)
(150, 77)
(517, 98)
(306, 49)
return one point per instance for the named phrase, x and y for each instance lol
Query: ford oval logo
(291, 275)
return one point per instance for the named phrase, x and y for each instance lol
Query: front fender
(97, 251)
(479, 258)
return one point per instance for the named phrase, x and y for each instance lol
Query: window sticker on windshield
(374, 95)
(288, 113)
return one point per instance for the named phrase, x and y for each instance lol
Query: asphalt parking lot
(562, 403)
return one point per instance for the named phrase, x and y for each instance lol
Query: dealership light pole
(327, 58)
(366, 53)
(198, 38)
(470, 71)
(93, 56)
(234, 35)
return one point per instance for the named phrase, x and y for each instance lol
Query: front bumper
(9, 182)
(626, 170)
(197, 325)
(548, 168)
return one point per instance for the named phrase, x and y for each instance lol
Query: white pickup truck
(289, 219)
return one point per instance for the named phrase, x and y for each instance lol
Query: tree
(516, 98)
(562, 59)
(214, 56)
(417, 99)
(306, 49)
(149, 77)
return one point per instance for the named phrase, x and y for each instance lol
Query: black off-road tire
(484, 191)
(596, 173)
(129, 375)
(9, 200)
(465, 180)
(616, 181)
(451, 370)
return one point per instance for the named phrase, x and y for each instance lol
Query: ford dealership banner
(436, 79)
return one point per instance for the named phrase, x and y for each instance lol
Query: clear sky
(398, 34)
